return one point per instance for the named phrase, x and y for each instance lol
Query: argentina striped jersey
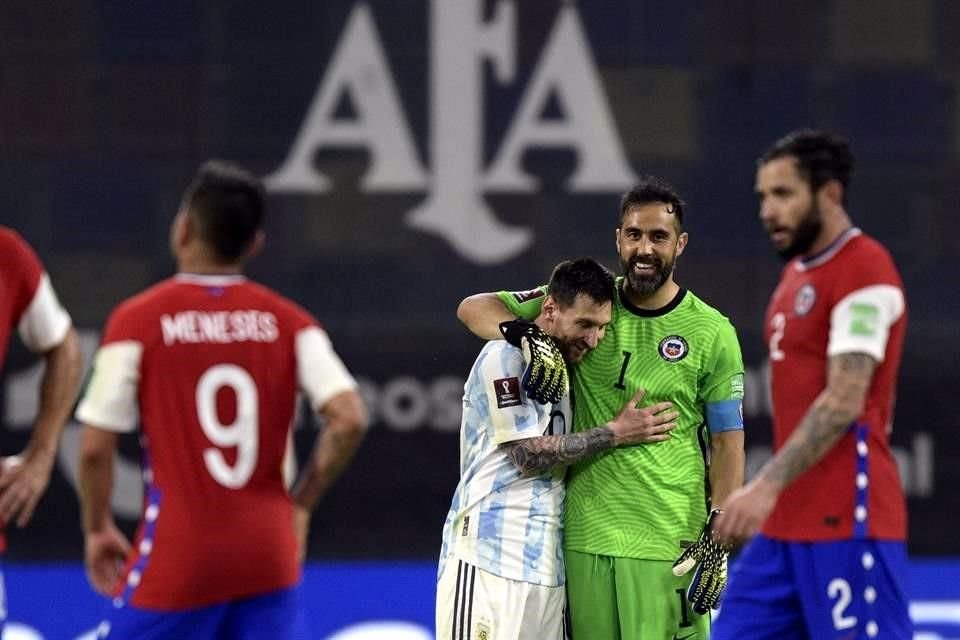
(501, 521)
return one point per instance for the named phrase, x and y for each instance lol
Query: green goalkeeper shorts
(628, 599)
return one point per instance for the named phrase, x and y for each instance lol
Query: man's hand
(637, 425)
(545, 378)
(710, 558)
(745, 511)
(105, 553)
(301, 529)
(23, 480)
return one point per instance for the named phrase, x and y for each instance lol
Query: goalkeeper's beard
(645, 285)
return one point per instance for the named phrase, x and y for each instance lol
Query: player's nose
(643, 247)
(768, 213)
(592, 338)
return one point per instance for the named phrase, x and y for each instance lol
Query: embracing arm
(534, 456)
(633, 425)
(482, 314)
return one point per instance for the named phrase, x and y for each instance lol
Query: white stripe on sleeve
(861, 321)
(45, 322)
(110, 399)
(320, 372)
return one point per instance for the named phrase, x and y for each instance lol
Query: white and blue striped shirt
(501, 521)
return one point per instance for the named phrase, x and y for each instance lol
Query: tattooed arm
(533, 456)
(830, 415)
(848, 379)
(633, 425)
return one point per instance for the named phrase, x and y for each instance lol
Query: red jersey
(27, 303)
(210, 367)
(847, 299)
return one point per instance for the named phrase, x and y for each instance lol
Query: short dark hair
(652, 189)
(581, 276)
(821, 156)
(227, 203)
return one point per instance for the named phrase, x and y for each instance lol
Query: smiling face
(789, 210)
(648, 243)
(577, 329)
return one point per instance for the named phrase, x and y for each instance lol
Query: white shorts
(473, 604)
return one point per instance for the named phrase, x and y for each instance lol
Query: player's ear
(256, 245)
(682, 240)
(179, 230)
(832, 191)
(549, 308)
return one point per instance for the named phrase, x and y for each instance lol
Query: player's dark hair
(581, 276)
(821, 156)
(227, 203)
(653, 189)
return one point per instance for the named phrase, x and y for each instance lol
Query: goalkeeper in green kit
(640, 560)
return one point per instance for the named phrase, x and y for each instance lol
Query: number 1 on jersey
(242, 433)
(623, 370)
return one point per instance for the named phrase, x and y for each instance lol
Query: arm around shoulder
(482, 314)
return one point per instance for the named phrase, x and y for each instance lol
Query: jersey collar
(814, 261)
(210, 280)
(651, 313)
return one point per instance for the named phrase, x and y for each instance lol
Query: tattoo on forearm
(534, 456)
(826, 420)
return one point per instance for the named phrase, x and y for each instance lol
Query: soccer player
(29, 304)
(830, 559)
(630, 512)
(501, 567)
(208, 364)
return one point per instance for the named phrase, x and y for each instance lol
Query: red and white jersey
(847, 299)
(27, 299)
(27, 303)
(210, 367)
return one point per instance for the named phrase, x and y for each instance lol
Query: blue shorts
(274, 615)
(3, 599)
(846, 590)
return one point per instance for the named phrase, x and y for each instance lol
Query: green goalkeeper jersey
(647, 501)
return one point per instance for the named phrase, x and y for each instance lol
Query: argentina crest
(470, 146)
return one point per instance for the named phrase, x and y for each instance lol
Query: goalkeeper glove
(545, 378)
(710, 577)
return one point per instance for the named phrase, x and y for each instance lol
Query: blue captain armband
(726, 415)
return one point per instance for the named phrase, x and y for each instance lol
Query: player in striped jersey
(501, 571)
(830, 555)
(631, 512)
